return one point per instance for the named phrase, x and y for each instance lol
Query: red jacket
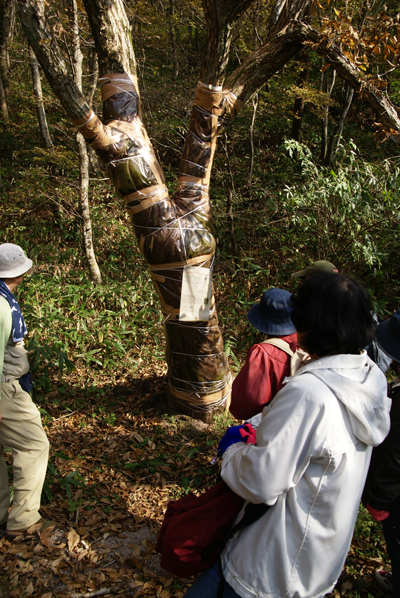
(260, 378)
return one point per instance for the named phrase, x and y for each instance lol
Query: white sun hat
(13, 261)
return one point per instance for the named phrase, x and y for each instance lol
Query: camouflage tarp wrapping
(172, 232)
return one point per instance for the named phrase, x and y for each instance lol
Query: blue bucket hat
(388, 336)
(271, 315)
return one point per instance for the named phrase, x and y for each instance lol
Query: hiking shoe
(384, 580)
(34, 531)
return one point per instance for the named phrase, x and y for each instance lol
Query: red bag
(193, 525)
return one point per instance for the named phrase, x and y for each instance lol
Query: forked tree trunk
(174, 232)
(37, 92)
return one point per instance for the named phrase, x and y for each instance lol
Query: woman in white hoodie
(313, 449)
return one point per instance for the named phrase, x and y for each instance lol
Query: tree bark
(264, 62)
(299, 103)
(251, 131)
(348, 71)
(231, 228)
(7, 18)
(4, 107)
(220, 17)
(37, 92)
(171, 31)
(87, 232)
(330, 83)
(337, 134)
(94, 78)
(173, 233)
(41, 38)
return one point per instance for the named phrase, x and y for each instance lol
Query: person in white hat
(20, 423)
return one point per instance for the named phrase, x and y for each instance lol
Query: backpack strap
(297, 358)
(280, 344)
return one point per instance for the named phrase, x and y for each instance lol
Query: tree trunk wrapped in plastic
(173, 233)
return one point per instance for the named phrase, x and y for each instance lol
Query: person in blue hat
(266, 364)
(382, 489)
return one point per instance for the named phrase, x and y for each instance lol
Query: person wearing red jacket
(266, 366)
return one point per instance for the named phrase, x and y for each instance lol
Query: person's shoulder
(4, 305)
(5, 315)
(273, 352)
(309, 387)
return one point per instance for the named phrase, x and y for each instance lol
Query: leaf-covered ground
(116, 461)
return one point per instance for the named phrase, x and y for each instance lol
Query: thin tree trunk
(7, 19)
(4, 107)
(337, 134)
(94, 78)
(325, 121)
(298, 108)
(228, 160)
(37, 92)
(77, 60)
(85, 210)
(171, 30)
(253, 120)
(229, 215)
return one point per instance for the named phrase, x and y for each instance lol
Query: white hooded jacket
(311, 460)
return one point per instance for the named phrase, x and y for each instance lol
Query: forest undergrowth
(118, 452)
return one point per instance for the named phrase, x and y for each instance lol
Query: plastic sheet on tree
(172, 232)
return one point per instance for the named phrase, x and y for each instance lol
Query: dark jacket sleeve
(382, 489)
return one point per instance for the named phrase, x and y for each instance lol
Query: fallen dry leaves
(127, 472)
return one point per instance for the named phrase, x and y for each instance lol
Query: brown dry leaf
(29, 589)
(136, 551)
(54, 564)
(135, 584)
(73, 539)
(48, 595)
(137, 437)
(347, 585)
(82, 554)
(113, 573)
(44, 540)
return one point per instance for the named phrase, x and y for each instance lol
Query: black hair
(335, 313)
